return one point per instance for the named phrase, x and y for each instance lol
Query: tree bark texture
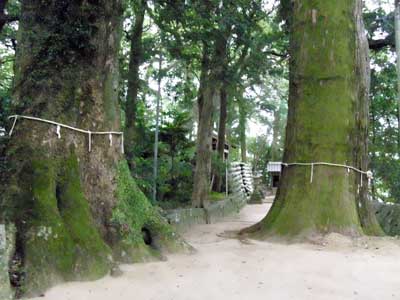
(74, 210)
(205, 104)
(276, 127)
(242, 127)
(327, 122)
(223, 116)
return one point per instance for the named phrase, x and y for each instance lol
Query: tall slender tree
(135, 60)
(242, 125)
(327, 122)
(223, 118)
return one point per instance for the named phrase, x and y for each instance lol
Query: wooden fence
(241, 180)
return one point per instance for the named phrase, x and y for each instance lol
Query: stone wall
(183, 219)
(388, 216)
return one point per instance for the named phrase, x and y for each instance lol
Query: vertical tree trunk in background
(366, 211)
(220, 68)
(373, 155)
(212, 74)
(275, 156)
(327, 122)
(223, 116)
(397, 38)
(242, 127)
(157, 130)
(135, 60)
(205, 102)
(69, 204)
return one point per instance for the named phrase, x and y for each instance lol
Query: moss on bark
(133, 215)
(62, 197)
(326, 122)
(61, 241)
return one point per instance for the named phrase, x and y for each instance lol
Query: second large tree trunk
(327, 122)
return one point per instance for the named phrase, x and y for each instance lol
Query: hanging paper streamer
(59, 131)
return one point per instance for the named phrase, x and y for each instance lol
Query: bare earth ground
(335, 268)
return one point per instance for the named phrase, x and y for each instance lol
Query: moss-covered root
(60, 242)
(304, 210)
(145, 235)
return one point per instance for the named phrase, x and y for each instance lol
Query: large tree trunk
(73, 208)
(327, 122)
(135, 60)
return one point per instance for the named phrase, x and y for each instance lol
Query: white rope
(367, 173)
(59, 125)
(13, 125)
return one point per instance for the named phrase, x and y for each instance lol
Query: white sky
(387, 5)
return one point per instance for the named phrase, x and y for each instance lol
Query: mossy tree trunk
(327, 122)
(73, 209)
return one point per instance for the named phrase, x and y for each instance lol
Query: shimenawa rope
(58, 130)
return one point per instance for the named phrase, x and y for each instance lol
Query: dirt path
(229, 269)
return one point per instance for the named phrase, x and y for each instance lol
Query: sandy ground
(336, 268)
